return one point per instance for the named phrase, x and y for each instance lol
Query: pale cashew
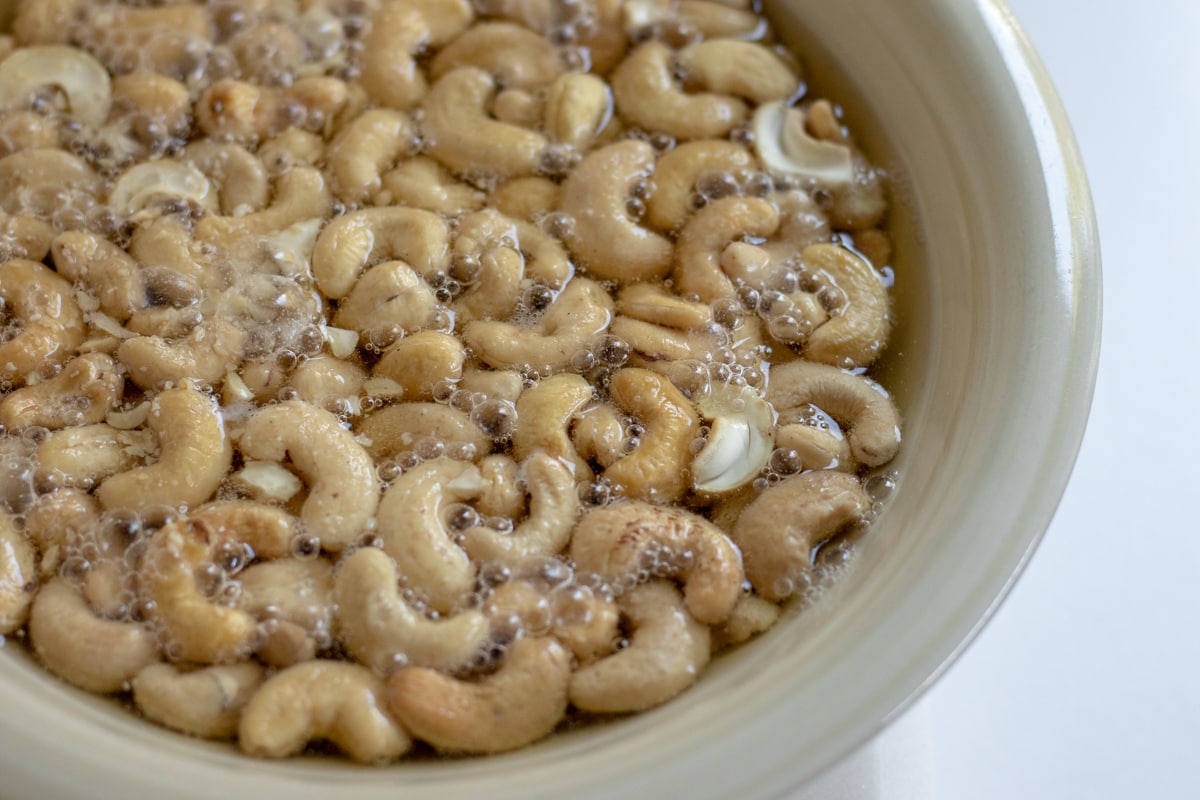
(654, 303)
(862, 204)
(742, 69)
(485, 243)
(628, 541)
(390, 74)
(578, 106)
(156, 182)
(204, 354)
(295, 598)
(740, 441)
(292, 148)
(704, 237)
(360, 239)
(666, 653)
(173, 40)
(167, 242)
(387, 297)
(54, 520)
(778, 531)
(678, 172)
(856, 335)
(502, 494)
(241, 178)
(582, 620)
(80, 77)
(529, 198)
(25, 237)
(862, 408)
(343, 489)
(601, 435)
(657, 469)
(328, 382)
(363, 149)
(86, 455)
(81, 394)
(505, 385)
(811, 447)
(194, 455)
(300, 194)
(751, 616)
(518, 107)
(380, 629)
(88, 651)
(157, 106)
(47, 21)
(572, 323)
(243, 112)
(517, 56)
(414, 531)
(646, 94)
(786, 148)
(462, 135)
(714, 19)
(205, 702)
(553, 505)
(343, 703)
(48, 319)
(606, 40)
(421, 362)
(422, 182)
(18, 577)
(400, 428)
(25, 130)
(606, 240)
(519, 704)
(546, 410)
(108, 272)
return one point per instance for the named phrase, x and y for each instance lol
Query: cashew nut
(300, 194)
(204, 354)
(740, 441)
(50, 321)
(86, 455)
(360, 239)
(545, 410)
(81, 394)
(704, 237)
(79, 76)
(398, 428)
(422, 361)
(150, 182)
(327, 381)
(108, 272)
(422, 182)
(517, 56)
(56, 519)
(171, 39)
(714, 19)
(857, 334)
(519, 704)
(739, 68)
(387, 297)
(582, 620)
(242, 112)
(786, 148)
(205, 702)
(678, 171)
(578, 106)
(530, 198)
(241, 178)
(553, 505)
(364, 149)
(389, 74)
(18, 579)
(295, 597)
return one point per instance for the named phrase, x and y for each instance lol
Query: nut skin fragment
(657, 469)
(205, 702)
(616, 542)
(51, 323)
(343, 703)
(519, 704)
(666, 654)
(779, 529)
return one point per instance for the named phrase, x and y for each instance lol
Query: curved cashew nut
(88, 454)
(300, 194)
(398, 428)
(88, 651)
(240, 176)
(600, 434)
(26, 130)
(779, 529)
(390, 74)
(422, 361)
(864, 410)
(546, 410)
(295, 598)
(646, 93)
(363, 149)
(25, 237)
(578, 107)
(205, 702)
(529, 198)
(579, 315)
(343, 489)
(519, 57)
(49, 184)
(582, 620)
(714, 19)
(79, 76)
(204, 354)
(18, 578)
(108, 272)
(815, 448)
(505, 385)
(413, 528)
(739, 68)
(679, 170)
(704, 237)
(157, 106)
(330, 700)
(786, 148)
(194, 455)
(857, 335)
(50, 321)
(665, 655)
(620, 541)
(519, 704)
(242, 112)
(388, 296)
(489, 240)
(751, 616)
(150, 182)
(421, 182)
(462, 135)
(657, 469)
(605, 239)
(553, 505)
(81, 394)
(357, 240)
(325, 381)
(379, 628)
(48, 21)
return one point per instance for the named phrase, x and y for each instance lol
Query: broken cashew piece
(205, 702)
(740, 440)
(50, 322)
(82, 394)
(334, 700)
(786, 148)
(519, 704)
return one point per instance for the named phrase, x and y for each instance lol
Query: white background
(1086, 684)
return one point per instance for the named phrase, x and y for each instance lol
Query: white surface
(1087, 681)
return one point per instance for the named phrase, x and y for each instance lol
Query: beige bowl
(993, 366)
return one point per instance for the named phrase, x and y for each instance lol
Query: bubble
(389, 471)
(461, 451)
(635, 208)
(496, 418)
(613, 351)
(785, 461)
(880, 487)
(429, 448)
(538, 297)
(583, 360)
(594, 493)
(305, 546)
(786, 328)
(460, 517)
(464, 400)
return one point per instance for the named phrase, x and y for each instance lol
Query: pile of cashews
(394, 371)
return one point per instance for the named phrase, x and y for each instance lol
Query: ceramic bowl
(993, 363)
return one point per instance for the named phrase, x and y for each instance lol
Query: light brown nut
(743, 69)
(328, 382)
(240, 176)
(343, 488)
(25, 237)
(108, 272)
(573, 322)
(861, 407)
(172, 40)
(516, 55)
(519, 704)
(206, 353)
(86, 455)
(47, 21)
(397, 31)
(158, 106)
(205, 702)
(82, 394)
(421, 182)
(388, 297)
(364, 149)
(295, 599)
(332, 700)
(82, 80)
(18, 576)
(505, 385)
(401, 428)
(666, 653)
(626, 542)
(529, 198)
(363, 238)
(292, 148)
(815, 447)
(380, 629)
(678, 172)
(706, 235)
(863, 203)
(88, 651)
(56, 519)
(485, 246)
(463, 136)
(300, 194)
(545, 411)
(25, 130)
(858, 332)
(751, 616)
(518, 107)
(646, 94)
(714, 19)
(237, 111)
(600, 434)
(778, 531)
(578, 106)
(421, 362)
(194, 455)
(603, 237)
(49, 322)
(168, 243)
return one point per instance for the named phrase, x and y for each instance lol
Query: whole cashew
(18, 577)
(144, 185)
(714, 19)
(158, 106)
(242, 112)
(864, 411)
(742, 69)
(751, 616)
(389, 73)
(79, 76)
(43, 181)
(204, 354)
(205, 702)
(82, 394)
(605, 239)
(600, 434)
(343, 489)
(48, 21)
(578, 107)
(665, 655)
(546, 410)
(194, 455)
(572, 323)
(519, 57)
(857, 335)
(704, 237)
(170, 39)
(529, 198)
(241, 178)
(326, 381)
(25, 130)
(363, 149)
(25, 237)
(398, 428)
(360, 239)
(505, 385)
(84, 456)
(50, 322)
(584, 621)
(422, 361)
(679, 170)
(296, 599)
(421, 182)
(381, 630)
(108, 272)
(778, 531)
(300, 194)
(269, 53)
(519, 704)
(88, 651)
(388, 296)
(553, 505)
(620, 541)
(332, 700)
